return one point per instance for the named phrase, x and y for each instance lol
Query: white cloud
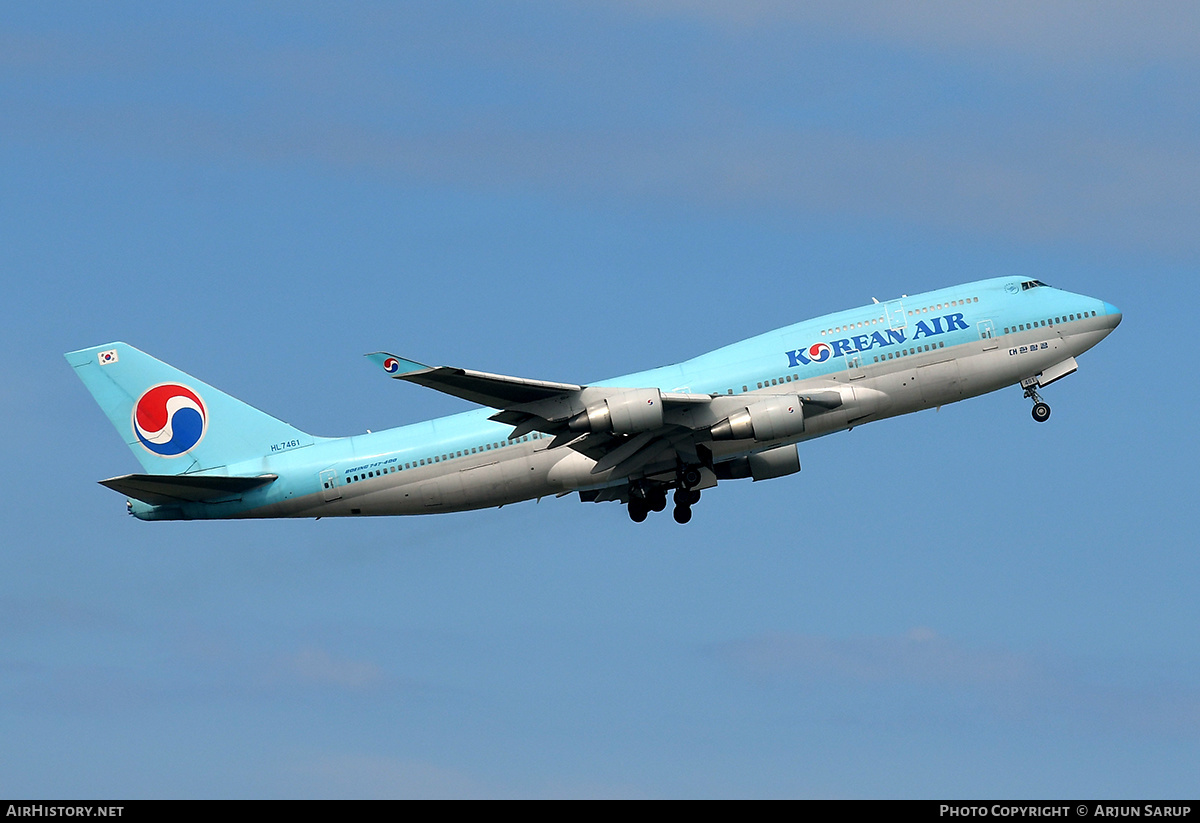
(1076, 31)
(360, 775)
(1012, 684)
(313, 665)
(744, 118)
(369, 775)
(920, 656)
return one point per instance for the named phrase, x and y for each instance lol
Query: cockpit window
(1032, 284)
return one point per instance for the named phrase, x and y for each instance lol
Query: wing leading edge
(495, 390)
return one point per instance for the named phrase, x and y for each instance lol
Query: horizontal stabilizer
(165, 489)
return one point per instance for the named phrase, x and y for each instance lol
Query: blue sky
(953, 604)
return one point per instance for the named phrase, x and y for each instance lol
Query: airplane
(739, 411)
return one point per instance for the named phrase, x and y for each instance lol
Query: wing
(631, 431)
(624, 429)
(495, 390)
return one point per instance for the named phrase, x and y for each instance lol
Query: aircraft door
(329, 485)
(987, 333)
(895, 315)
(854, 364)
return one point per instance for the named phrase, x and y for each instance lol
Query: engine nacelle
(625, 412)
(770, 419)
(777, 462)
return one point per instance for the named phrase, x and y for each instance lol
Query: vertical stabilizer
(173, 422)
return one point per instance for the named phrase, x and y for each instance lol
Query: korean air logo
(391, 365)
(819, 352)
(169, 419)
(816, 353)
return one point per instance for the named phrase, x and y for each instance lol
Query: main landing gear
(645, 498)
(684, 500)
(1041, 411)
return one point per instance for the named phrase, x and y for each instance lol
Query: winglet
(396, 366)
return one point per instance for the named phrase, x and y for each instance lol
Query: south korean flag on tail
(107, 357)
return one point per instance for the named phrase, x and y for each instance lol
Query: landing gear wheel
(689, 478)
(1041, 412)
(657, 501)
(637, 511)
(686, 497)
(684, 500)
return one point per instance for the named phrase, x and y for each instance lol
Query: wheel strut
(1041, 410)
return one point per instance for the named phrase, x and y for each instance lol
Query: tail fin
(171, 421)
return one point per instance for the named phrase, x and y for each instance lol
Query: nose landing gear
(1041, 411)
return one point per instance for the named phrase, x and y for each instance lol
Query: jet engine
(777, 462)
(623, 412)
(770, 419)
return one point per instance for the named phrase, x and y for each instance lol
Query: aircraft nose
(1113, 314)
